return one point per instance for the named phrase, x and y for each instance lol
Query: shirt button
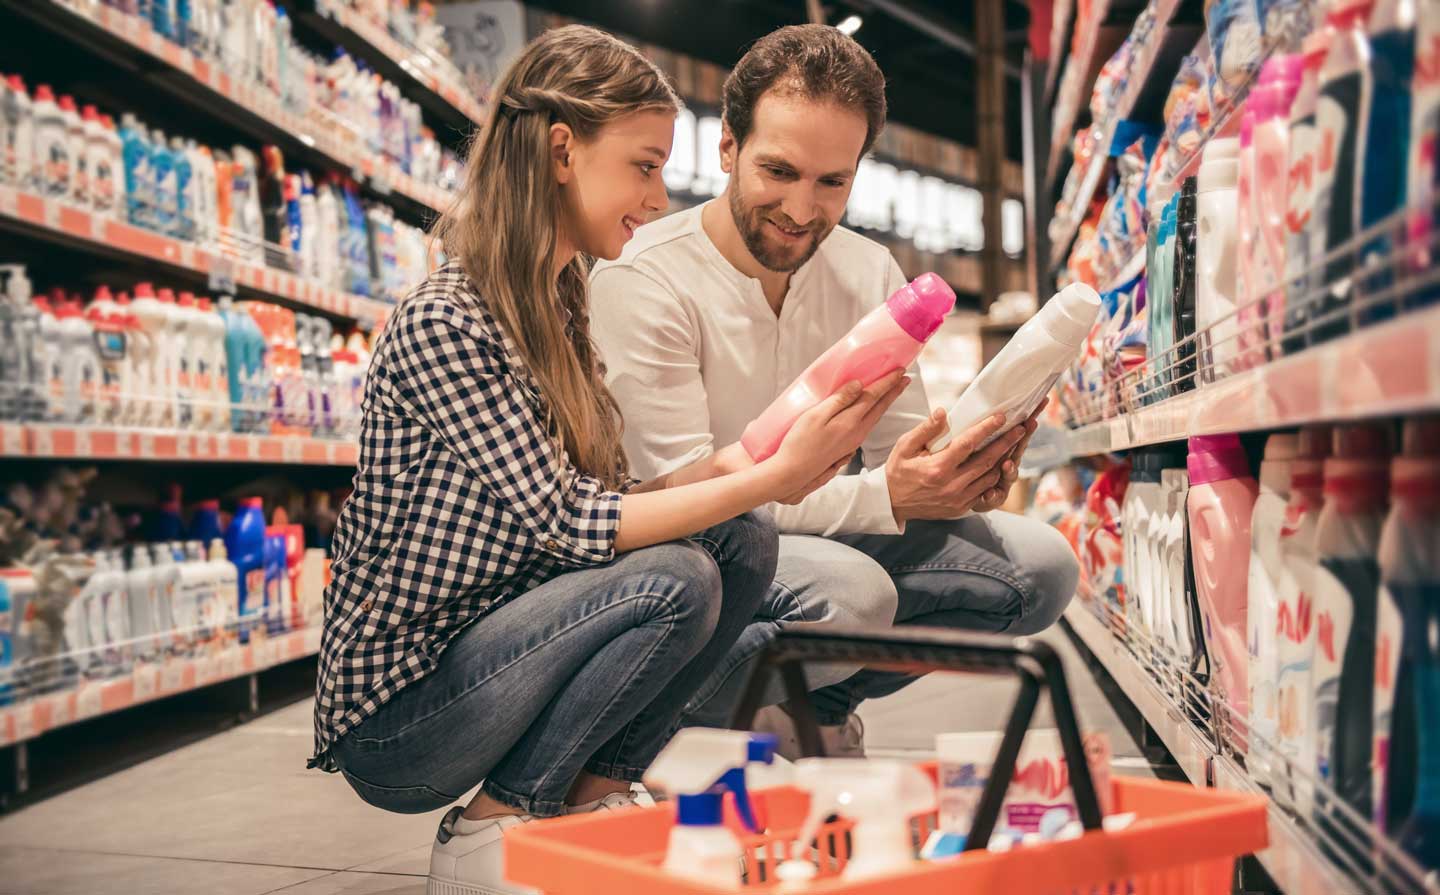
(552, 544)
(367, 604)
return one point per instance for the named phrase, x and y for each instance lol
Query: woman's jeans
(589, 671)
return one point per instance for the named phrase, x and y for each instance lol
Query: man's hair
(814, 62)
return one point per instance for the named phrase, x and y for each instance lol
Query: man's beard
(751, 224)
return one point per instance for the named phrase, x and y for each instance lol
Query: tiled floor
(238, 814)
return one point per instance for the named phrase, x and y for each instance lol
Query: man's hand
(1009, 467)
(946, 484)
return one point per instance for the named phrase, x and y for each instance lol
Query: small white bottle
(1263, 606)
(140, 587)
(17, 149)
(119, 648)
(79, 193)
(1215, 254)
(98, 171)
(701, 848)
(196, 595)
(220, 615)
(166, 575)
(81, 372)
(52, 144)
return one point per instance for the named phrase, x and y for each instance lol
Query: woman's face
(611, 184)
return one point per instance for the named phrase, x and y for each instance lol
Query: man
(710, 313)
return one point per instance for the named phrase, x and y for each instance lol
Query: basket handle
(918, 650)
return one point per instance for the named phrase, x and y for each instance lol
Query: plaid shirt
(461, 502)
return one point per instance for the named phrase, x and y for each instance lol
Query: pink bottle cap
(144, 290)
(43, 93)
(166, 295)
(1216, 458)
(1247, 125)
(102, 293)
(920, 307)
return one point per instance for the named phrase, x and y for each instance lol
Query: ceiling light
(849, 25)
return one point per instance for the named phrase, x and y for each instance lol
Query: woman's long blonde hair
(504, 226)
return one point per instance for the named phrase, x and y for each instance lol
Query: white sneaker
(615, 801)
(845, 740)
(468, 856)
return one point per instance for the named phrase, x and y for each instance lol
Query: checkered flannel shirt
(461, 502)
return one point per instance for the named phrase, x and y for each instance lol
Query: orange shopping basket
(1184, 840)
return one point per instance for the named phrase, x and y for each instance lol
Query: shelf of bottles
(84, 684)
(1327, 849)
(224, 262)
(1355, 336)
(319, 129)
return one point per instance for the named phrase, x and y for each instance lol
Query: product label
(1338, 129)
(1389, 632)
(1301, 205)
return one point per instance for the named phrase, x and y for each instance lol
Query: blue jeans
(589, 671)
(993, 572)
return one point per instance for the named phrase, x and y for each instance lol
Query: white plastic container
(1176, 552)
(1216, 247)
(115, 607)
(191, 337)
(140, 585)
(112, 348)
(1263, 605)
(700, 847)
(80, 365)
(17, 138)
(220, 615)
(166, 575)
(194, 594)
(1019, 377)
(157, 390)
(79, 193)
(102, 165)
(1039, 785)
(52, 144)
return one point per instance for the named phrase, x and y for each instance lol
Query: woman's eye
(648, 168)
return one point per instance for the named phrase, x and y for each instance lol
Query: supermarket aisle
(238, 814)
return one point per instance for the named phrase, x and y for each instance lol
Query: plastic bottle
(347, 393)
(162, 172)
(166, 574)
(248, 220)
(1183, 375)
(205, 522)
(1180, 583)
(880, 796)
(220, 615)
(17, 151)
(82, 372)
(236, 363)
(245, 544)
(139, 178)
(1384, 155)
(272, 208)
(79, 192)
(191, 338)
(1421, 160)
(1245, 213)
(93, 168)
(22, 357)
(1407, 756)
(1301, 256)
(162, 18)
(327, 240)
(203, 193)
(294, 260)
(1347, 583)
(170, 346)
(183, 224)
(888, 338)
(52, 144)
(354, 243)
(107, 321)
(1161, 308)
(1144, 479)
(196, 591)
(114, 600)
(154, 376)
(309, 229)
(213, 367)
(1342, 113)
(1221, 504)
(51, 355)
(1280, 79)
(1221, 215)
(1263, 606)
(140, 586)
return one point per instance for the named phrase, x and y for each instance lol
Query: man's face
(790, 181)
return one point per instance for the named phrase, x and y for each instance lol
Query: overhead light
(849, 25)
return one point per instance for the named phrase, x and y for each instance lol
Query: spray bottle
(879, 796)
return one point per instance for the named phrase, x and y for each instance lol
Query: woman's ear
(562, 145)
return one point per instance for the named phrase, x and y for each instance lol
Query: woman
(507, 605)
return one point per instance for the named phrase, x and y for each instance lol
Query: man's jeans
(588, 671)
(993, 572)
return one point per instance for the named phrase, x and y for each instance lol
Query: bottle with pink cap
(1271, 100)
(1300, 253)
(888, 338)
(1221, 505)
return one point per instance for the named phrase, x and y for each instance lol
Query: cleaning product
(294, 557)
(880, 796)
(1041, 783)
(1421, 160)
(220, 615)
(1342, 113)
(163, 174)
(79, 192)
(1245, 214)
(82, 365)
(1280, 79)
(1182, 377)
(309, 228)
(1135, 530)
(1179, 580)
(697, 768)
(166, 574)
(1407, 567)
(183, 224)
(1382, 162)
(114, 602)
(1218, 206)
(1221, 504)
(204, 182)
(18, 161)
(214, 368)
(140, 586)
(245, 545)
(107, 321)
(189, 344)
(171, 345)
(205, 522)
(275, 218)
(239, 373)
(277, 583)
(888, 338)
(1302, 255)
(1347, 584)
(139, 179)
(154, 376)
(1017, 379)
(1262, 606)
(51, 355)
(21, 352)
(248, 218)
(99, 178)
(52, 144)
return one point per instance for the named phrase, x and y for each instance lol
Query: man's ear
(562, 145)
(729, 149)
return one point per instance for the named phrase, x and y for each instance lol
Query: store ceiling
(931, 83)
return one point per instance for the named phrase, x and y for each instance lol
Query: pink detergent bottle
(888, 338)
(1272, 100)
(1221, 503)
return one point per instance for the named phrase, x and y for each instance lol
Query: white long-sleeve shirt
(694, 353)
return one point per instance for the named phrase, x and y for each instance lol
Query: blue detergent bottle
(139, 182)
(205, 522)
(162, 172)
(245, 546)
(1407, 766)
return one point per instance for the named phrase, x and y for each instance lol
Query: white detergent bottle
(96, 153)
(880, 796)
(140, 584)
(80, 364)
(115, 597)
(697, 767)
(79, 193)
(21, 364)
(167, 586)
(171, 345)
(216, 366)
(1176, 551)
(112, 349)
(153, 374)
(203, 179)
(1019, 377)
(1216, 241)
(220, 616)
(189, 333)
(17, 151)
(1263, 606)
(52, 144)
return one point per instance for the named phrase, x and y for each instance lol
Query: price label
(222, 275)
(147, 445)
(100, 228)
(24, 723)
(147, 680)
(172, 676)
(207, 669)
(9, 204)
(231, 662)
(84, 446)
(125, 443)
(12, 439)
(62, 709)
(88, 701)
(44, 441)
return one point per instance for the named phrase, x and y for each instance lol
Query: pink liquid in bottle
(888, 338)
(1221, 503)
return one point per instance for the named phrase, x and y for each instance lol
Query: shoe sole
(435, 886)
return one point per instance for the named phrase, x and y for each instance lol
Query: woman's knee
(687, 588)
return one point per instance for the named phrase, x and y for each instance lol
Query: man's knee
(832, 585)
(1049, 567)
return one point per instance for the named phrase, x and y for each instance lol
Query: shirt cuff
(874, 502)
(586, 535)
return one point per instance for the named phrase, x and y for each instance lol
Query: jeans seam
(799, 603)
(467, 690)
(1020, 587)
(610, 704)
(421, 786)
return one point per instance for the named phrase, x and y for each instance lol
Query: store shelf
(150, 681)
(129, 40)
(60, 442)
(1388, 369)
(430, 80)
(57, 221)
(1151, 78)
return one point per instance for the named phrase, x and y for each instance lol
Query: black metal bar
(992, 798)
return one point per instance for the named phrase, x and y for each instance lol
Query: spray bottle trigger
(734, 780)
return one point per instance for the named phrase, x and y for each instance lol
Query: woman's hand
(825, 437)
